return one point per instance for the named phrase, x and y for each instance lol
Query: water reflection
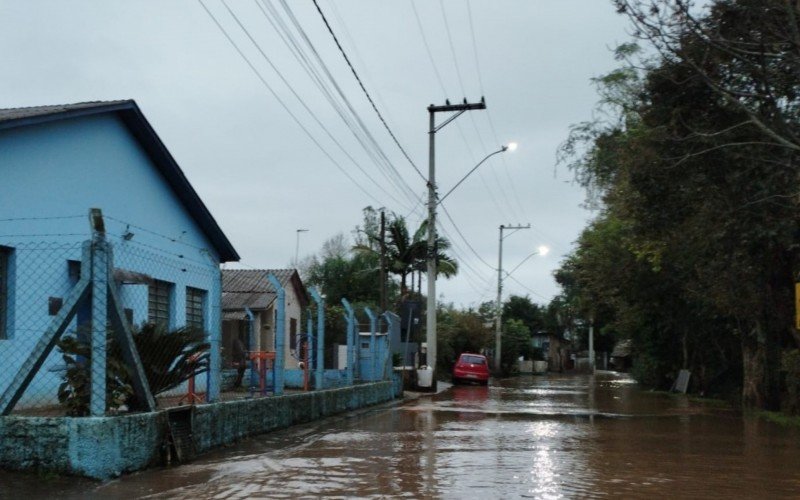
(540, 437)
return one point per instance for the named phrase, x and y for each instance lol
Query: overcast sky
(263, 175)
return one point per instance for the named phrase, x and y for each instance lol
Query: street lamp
(542, 250)
(511, 146)
(297, 245)
(431, 272)
(498, 324)
(430, 319)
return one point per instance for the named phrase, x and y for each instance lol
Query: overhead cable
(391, 173)
(283, 104)
(366, 93)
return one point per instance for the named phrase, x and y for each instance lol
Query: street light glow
(511, 146)
(544, 250)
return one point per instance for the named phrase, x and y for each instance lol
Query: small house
(250, 314)
(56, 163)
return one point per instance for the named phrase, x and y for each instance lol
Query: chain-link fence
(90, 327)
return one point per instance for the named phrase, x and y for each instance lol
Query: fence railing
(91, 328)
(103, 326)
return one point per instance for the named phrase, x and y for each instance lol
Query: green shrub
(168, 359)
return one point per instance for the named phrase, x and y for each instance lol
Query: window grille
(158, 303)
(195, 314)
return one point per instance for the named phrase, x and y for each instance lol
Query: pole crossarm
(459, 109)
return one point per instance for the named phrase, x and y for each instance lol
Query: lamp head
(544, 250)
(511, 146)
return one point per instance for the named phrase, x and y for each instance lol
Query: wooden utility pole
(383, 260)
(430, 313)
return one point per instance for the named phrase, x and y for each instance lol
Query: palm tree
(446, 266)
(406, 254)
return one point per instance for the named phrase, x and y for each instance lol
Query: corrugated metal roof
(140, 128)
(622, 349)
(250, 288)
(12, 114)
(233, 316)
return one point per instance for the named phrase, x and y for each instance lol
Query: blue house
(58, 162)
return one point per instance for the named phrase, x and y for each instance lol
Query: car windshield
(475, 360)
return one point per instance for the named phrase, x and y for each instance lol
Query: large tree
(699, 169)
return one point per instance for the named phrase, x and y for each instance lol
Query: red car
(471, 367)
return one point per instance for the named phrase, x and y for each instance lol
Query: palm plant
(407, 253)
(168, 358)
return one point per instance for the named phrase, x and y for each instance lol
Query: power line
(518, 282)
(360, 60)
(369, 98)
(381, 159)
(300, 99)
(475, 47)
(483, 290)
(467, 146)
(452, 47)
(488, 116)
(288, 38)
(428, 48)
(464, 261)
(455, 226)
(283, 104)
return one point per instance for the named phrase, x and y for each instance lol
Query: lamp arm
(503, 149)
(523, 261)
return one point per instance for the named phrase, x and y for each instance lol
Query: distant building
(57, 162)
(244, 289)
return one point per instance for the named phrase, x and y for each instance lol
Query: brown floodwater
(539, 437)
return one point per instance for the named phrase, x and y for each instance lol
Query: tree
(458, 332)
(407, 253)
(524, 310)
(516, 339)
(698, 170)
(345, 274)
(744, 52)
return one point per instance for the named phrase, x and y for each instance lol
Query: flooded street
(541, 437)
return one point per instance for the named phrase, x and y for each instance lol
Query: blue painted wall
(375, 366)
(52, 174)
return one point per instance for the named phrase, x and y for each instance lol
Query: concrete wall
(106, 447)
(228, 422)
(98, 448)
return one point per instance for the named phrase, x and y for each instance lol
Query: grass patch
(711, 402)
(779, 418)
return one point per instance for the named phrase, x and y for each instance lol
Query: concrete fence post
(319, 368)
(280, 329)
(373, 328)
(350, 317)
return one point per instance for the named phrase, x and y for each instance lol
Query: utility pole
(430, 319)
(297, 245)
(591, 343)
(383, 260)
(498, 318)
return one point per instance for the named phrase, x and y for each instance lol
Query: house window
(158, 303)
(195, 298)
(293, 333)
(4, 255)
